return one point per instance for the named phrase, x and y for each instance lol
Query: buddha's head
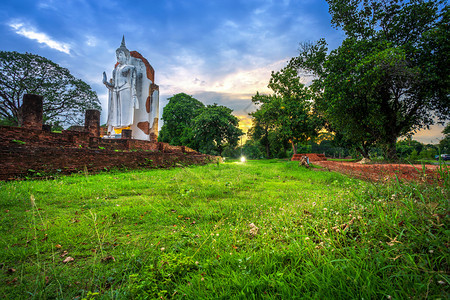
(122, 53)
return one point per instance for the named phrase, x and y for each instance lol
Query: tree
(446, 130)
(406, 147)
(66, 98)
(389, 77)
(251, 150)
(214, 128)
(262, 122)
(288, 111)
(444, 144)
(178, 116)
(259, 134)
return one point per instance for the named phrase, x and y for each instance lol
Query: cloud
(42, 38)
(430, 136)
(247, 81)
(46, 5)
(233, 90)
(192, 78)
(91, 41)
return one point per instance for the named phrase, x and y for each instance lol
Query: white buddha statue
(133, 101)
(122, 91)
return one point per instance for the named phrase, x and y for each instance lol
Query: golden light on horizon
(245, 123)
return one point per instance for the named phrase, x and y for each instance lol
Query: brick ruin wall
(311, 156)
(26, 151)
(31, 150)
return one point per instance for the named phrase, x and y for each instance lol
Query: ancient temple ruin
(34, 150)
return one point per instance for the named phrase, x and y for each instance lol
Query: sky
(218, 51)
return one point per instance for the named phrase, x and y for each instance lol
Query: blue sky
(219, 51)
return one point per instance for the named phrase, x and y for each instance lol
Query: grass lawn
(254, 230)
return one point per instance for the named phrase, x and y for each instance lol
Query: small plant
(19, 142)
(34, 173)
(160, 278)
(146, 162)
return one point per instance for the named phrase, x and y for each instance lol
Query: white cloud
(183, 73)
(91, 41)
(189, 75)
(42, 38)
(46, 5)
(247, 81)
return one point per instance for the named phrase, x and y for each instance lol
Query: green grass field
(254, 230)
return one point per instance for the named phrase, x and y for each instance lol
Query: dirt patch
(385, 172)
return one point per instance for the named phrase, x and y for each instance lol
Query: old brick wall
(81, 139)
(311, 156)
(29, 151)
(21, 160)
(18, 135)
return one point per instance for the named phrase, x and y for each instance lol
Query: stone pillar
(92, 122)
(32, 111)
(126, 134)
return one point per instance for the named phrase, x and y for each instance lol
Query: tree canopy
(178, 116)
(207, 129)
(214, 128)
(288, 112)
(66, 98)
(389, 77)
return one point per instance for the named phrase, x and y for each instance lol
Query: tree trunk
(266, 139)
(267, 150)
(363, 151)
(19, 117)
(294, 147)
(390, 151)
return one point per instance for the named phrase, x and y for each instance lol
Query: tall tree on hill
(178, 116)
(391, 74)
(66, 98)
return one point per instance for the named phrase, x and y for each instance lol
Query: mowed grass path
(255, 230)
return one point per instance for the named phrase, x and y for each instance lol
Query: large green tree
(66, 98)
(178, 116)
(288, 111)
(389, 77)
(259, 133)
(214, 128)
